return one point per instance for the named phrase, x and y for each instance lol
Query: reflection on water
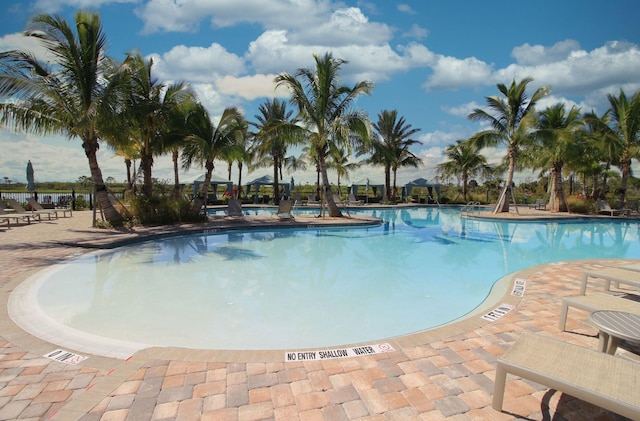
(307, 288)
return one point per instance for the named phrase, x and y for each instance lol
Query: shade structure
(265, 180)
(215, 181)
(422, 182)
(31, 181)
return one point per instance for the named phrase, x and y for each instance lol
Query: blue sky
(433, 61)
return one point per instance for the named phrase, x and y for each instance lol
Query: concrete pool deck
(444, 373)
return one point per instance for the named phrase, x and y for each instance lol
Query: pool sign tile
(498, 312)
(65, 356)
(327, 354)
(519, 287)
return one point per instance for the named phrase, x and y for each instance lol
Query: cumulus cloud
(197, 64)
(528, 55)
(416, 31)
(405, 8)
(453, 73)
(185, 15)
(251, 87)
(581, 72)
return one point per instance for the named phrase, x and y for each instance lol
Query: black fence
(53, 199)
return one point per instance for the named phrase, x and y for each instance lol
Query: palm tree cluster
(554, 140)
(83, 93)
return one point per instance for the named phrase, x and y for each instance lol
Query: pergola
(422, 183)
(265, 180)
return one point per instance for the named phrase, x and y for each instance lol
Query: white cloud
(453, 73)
(527, 55)
(416, 31)
(185, 15)
(405, 8)
(462, 110)
(251, 87)
(196, 64)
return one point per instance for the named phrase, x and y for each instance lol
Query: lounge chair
(19, 210)
(611, 274)
(594, 302)
(311, 200)
(353, 200)
(6, 216)
(338, 201)
(284, 210)
(539, 204)
(234, 208)
(38, 207)
(604, 380)
(604, 208)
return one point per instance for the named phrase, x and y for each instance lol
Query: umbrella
(31, 184)
(292, 184)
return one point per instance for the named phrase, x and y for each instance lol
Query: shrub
(157, 210)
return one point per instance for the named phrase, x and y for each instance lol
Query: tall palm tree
(625, 125)
(511, 119)
(152, 105)
(325, 108)
(391, 147)
(464, 161)
(276, 131)
(239, 152)
(556, 131)
(68, 95)
(604, 147)
(206, 143)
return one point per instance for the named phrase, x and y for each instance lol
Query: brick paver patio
(447, 377)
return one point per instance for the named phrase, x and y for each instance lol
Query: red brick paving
(449, 379)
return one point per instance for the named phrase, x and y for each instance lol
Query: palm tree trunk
(394, 190)
(334, 211)
(102, 195)
(146, 162)
(176, 179)
(465, 178)
(200, 199)
(276, 191)
(558, 202)
(622, 191)
(127, 163)
(387, 182)
(505, 197)
(239, 189)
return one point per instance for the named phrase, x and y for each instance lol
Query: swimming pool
(291, 288)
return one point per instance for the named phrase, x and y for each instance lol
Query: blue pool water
(289, 288)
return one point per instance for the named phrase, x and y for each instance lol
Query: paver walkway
(450, 377)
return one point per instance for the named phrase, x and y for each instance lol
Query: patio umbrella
(31, 183)
(292, 184)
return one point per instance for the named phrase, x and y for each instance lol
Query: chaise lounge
(611, 274)
(38, 208)
(594, 302)
(604, 380)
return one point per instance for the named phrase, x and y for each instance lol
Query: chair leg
(498, 387)
(562, 324)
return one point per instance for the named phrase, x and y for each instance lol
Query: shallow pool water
(290, 288)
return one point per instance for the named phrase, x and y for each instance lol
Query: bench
(601, 379)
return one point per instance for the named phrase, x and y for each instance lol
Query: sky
(432, 61)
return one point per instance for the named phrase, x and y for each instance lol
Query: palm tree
(465, 161)
(625, 126)
(239, 152)
(556, 131)
(325, 108)
(276, 131)
(339, 161)
(152, 105)
(392, 148)
(206, 143)
(69, 95)
(604, 146)
(511, 119)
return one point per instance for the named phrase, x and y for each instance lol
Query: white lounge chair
(604, 380)
(604, 208)
(38, 207)
(311, 200)
(234, 208)
(284, 210)
(594, 302)
(6, 216)
(353, 200)
(19, 210)
(611, 274)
